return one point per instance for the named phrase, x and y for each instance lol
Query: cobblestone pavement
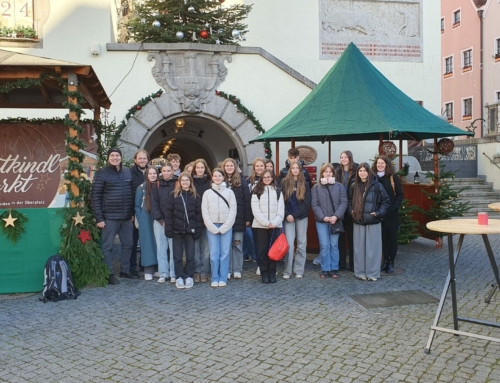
(307, 330)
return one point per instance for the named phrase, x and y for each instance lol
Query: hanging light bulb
(180, 123)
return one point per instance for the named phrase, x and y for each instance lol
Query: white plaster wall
(287, 29)
(484, 167)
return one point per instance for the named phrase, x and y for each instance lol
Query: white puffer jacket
(215, 210)
(268, 209)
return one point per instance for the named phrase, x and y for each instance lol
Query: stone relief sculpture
(189, 78)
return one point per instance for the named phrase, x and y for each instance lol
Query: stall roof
(18, 66)
(355, 102)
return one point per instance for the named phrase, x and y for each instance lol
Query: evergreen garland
(13, 232)
(236, 101)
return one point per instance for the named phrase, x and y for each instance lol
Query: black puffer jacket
(112, 194)
(244, 206)
(302, 210)
(202, 184)
(159, 198)
(376, 201)
(339, 175)
(137, 177)
(175, 218)
(396, 196)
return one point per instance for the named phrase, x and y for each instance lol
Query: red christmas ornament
(204, 34)
(221, 1)
(138, 107)
(235, 100)
(267, 150)
(158, 95)
(84, 235)
(217, 93)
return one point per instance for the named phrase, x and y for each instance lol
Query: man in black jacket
(141, 160)
(113, 210)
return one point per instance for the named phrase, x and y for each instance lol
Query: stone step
(471, 187)
(471, 181)
(478, 204)
(475, 210)
(479, 194)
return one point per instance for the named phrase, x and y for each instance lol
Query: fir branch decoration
(13, 231)
(408, 228)
(237, 102)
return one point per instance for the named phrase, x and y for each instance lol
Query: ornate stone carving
(189, 78)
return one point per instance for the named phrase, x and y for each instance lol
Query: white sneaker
(222, 284)
(258, 271)
(156, 274)
(172, 280)
(148, 277)
(162, 280)
(298, 275)
(214, 284)
(189, 283)
(228, 276)
(361, 277)
(317, 261)
(237, 275)
(286, 276)
(179, 283)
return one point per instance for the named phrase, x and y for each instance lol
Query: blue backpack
(58, 284)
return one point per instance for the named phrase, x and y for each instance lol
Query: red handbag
(279, 248)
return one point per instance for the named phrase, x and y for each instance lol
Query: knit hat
(114, 150)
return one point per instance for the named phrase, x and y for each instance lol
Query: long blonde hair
(178, 187)
(254, 175)
(233, 180)
(288, 184)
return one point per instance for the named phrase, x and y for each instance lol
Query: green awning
(355, 102)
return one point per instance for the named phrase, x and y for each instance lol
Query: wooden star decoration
(40, 186)
(78, 219)
(9, 221)
(45, 178)
(84, 236)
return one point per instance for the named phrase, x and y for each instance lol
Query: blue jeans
(220, 248)
(249, 244)
(328, 247)
(163, 245)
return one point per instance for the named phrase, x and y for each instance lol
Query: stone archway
(153, 125)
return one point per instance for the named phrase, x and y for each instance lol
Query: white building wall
(288, 29)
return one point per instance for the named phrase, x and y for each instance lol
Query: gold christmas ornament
(78, 219)
(9, 221)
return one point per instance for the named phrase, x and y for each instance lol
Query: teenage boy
(175, 160)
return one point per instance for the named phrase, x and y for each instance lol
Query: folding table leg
(453, 257)
(493, 266)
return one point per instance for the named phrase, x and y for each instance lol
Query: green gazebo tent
(354, 101)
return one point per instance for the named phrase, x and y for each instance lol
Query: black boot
(112, 280)
(272, 277)
(384, 266)
(390, 267)
(265, 277)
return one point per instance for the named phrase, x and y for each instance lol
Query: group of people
(192, 225)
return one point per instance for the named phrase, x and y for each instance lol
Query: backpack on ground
(58, 284)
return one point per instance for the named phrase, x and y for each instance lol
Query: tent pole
(380, 139)
(400, 153)
(293, 143)
(436, 165)
(277, 166)
(329, 151)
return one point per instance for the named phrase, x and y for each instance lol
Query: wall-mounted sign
(307, 154)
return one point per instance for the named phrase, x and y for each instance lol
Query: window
(442, 25)
(497, 48)
(493, 120)
(456, 18)
(448, 65)
(498, 93)
(449, 111)
(467, 59)
(467, 108)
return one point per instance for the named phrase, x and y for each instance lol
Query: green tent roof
(354, 101)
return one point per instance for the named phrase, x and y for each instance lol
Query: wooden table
(494, 206)
(463, 227)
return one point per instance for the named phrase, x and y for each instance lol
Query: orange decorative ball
(204, 34)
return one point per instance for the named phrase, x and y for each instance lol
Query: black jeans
(133, 257)
(343, 238)
(181, 242)
(389, 243)
(262, 238)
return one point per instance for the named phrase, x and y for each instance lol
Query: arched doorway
(216, 133)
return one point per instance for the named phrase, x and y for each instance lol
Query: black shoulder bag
(221, 196)
(338, 226)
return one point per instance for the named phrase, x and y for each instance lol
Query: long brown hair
(178, 187)
(259, 188)
(389, 167)
(360, 189)
(147, 196)
(350, 167)
(288, 184)
(233, 180)
(208, 173)
(254, 175)
(325, 166)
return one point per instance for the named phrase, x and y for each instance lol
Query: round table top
(465, 226)
(494, 206)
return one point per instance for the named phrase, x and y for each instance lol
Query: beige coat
(215, 210)
(268, 209)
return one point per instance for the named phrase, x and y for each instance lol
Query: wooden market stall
(31, 154)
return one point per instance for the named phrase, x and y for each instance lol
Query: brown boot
(196, 277)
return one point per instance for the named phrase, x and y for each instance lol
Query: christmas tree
(407, 226)
(200, 21)
(445, 203)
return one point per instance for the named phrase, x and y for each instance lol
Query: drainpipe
(481, 69)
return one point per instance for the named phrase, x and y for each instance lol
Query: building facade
(272, 72)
